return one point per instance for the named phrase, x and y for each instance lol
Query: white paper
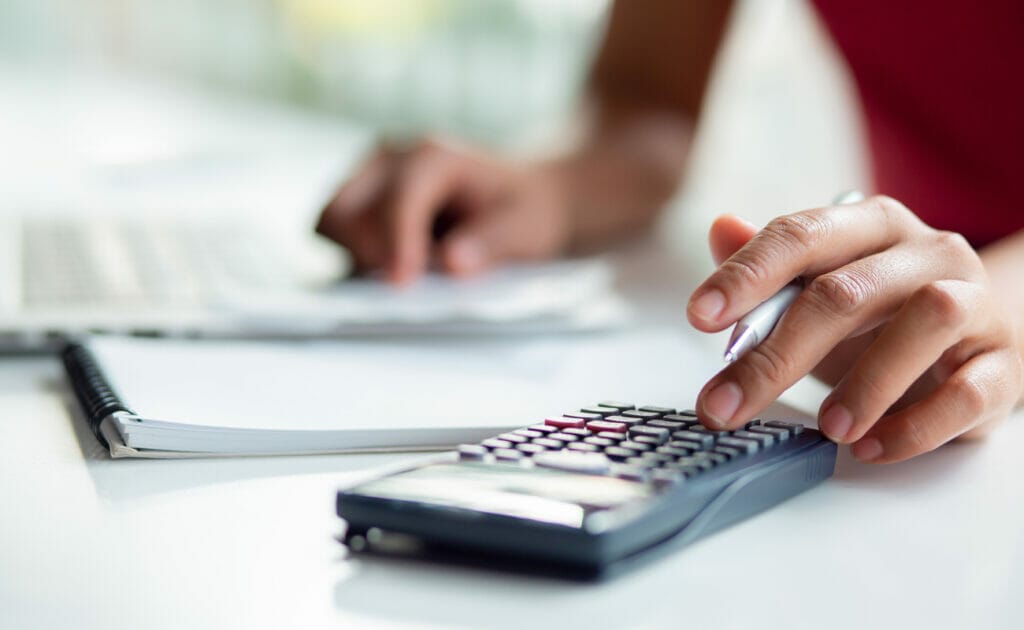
(381, 394)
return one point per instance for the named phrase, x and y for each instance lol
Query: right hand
(445, 205)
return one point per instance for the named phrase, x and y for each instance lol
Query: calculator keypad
(620, 439)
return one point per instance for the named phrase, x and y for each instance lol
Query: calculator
(587, 493)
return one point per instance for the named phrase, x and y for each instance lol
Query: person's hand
(898, 316)
(444, 205)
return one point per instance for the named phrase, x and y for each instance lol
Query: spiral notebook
(178, 398)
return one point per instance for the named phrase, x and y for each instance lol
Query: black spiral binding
(92, 389)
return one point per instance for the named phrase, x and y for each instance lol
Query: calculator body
(573, 523)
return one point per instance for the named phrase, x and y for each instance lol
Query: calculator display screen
(538, 494)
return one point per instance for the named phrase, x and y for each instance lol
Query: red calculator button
(603, 425)
(566, 423)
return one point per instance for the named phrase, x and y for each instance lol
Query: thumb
(728, 234)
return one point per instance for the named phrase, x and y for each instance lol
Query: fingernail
(836, 422)
(709, 305)
(721, 403)
(867, 449)
(467, 254)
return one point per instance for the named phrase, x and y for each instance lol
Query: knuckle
(839, 293)
(765, 364)
(942, 304)
(971, 396)
(744, 269)
(954, 246)
(803, 229)
(890, 208)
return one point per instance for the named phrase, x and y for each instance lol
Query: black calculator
(583, 494)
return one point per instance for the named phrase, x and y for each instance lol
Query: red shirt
(942, 90)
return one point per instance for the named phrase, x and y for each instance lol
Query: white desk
(86, 542)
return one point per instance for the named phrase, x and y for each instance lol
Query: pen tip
(729, 357)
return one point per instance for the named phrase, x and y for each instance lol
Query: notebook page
(413, 384)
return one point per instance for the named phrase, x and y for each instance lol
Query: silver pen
(756, 325)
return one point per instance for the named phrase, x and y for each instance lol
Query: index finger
(421, 191)
(802, 244)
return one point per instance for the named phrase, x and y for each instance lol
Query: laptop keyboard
(136, 263)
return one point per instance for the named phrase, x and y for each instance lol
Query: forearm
(1004, 261)
(645, 90)
(616, 181)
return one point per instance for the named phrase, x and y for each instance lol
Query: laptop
(64, 276)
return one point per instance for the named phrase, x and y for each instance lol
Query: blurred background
(781, 131)
(482, 69)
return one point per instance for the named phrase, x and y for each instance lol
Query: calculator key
(583, 415)
(618, 453)
(667, 476)
(515, 438)
(704, 439)
(626, 420)
(780, 434)
(603, 425)
(494, 443)
(591, 463)
(765, 439)
(565, 422)
(547, 442)
(700, 428)
(727, 451)
(654, 459)
(686, 463)
(563, 437)
(583, 447)
(508, 455)
(630, 473)
(543, 428)
(472, 452)
(636, 446)
(646, 439)
(687, 420)
(718, 458)
(642, 415)
(686, 471)
(688, 412)
(744, 446)
(638, 462)
(686, 444)
(578, 432)
(655, 432)
(674, 451)
(620, 406)
(530, 449)
(601, 411)
(662, 411)
(793, 428)
(528, 433)
(704, 460)
(612, 435)
(666, 424)
(599, 441)
(694, 461)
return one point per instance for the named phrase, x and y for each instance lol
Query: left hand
(898, 316)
